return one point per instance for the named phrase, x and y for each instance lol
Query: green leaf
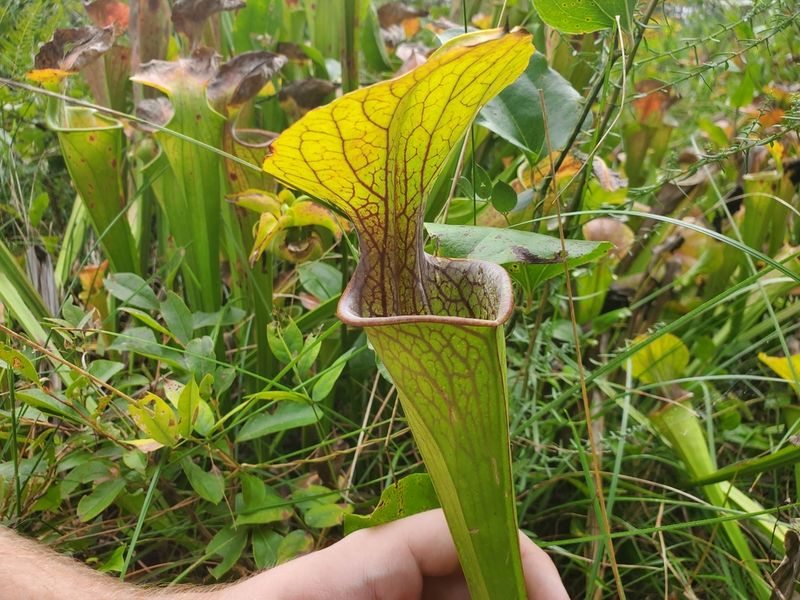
(49, 403)
(515, 114)
(145, 318)
(116, 562)
(584, 16)
(411, 495)
(17, 361)
(326, 515)
(228, 543)
(265, 547)
(177, 317)
(258, 504)
(288, 415)
(188, 408)
(142, 341)
(101, 498)
(663, 359)
(295, 543)
(531, 258)
(504, 198)
(131, 289)
(325, 382)
(279, 395)
(309, 354)
(320, 279)
(159, 423)
(209, 485)
(36, 210)
(481, 183)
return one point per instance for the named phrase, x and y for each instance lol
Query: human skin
(413, 558)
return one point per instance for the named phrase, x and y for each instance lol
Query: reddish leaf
(107, 13)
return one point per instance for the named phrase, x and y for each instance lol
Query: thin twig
(596, 467)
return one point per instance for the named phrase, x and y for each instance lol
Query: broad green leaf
(504, 198)
(177, 317)
(787, 368)
(396, 137)
(662, 360)
(142, 341)
(265, 547)
(285, 342)
(159, 423)
(131, 289)
(49, 403)
(411, 495)
(188, 408)
(584, 16)
(258, 504)
(229, 544)
(116, 562)
(295, 543)
(324, 384)
(147, 319)
(279, 395)
(320, 279)
(531, 258)
(288, 415)
(516, 113)
(99, 499)
(208, 485)
(17, 361)
(322, 516)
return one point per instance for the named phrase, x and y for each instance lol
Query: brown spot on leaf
(526, 256)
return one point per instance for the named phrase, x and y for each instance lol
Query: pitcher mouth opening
(501, 295)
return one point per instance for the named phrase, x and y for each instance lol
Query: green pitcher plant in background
(435, 323)
(92, 144)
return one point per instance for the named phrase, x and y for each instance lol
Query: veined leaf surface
(375, 153)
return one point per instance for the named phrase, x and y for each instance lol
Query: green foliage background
(263, 422)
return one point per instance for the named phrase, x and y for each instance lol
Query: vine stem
(596, 467)
(593, 95)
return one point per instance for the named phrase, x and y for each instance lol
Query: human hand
(409, 559)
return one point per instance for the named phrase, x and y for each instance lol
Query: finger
(542, 580)
(428, 539)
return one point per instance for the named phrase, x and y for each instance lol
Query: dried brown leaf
(198, 69)
(394, 13)
(73, 49)
(299, 97)
(242, 77)
(155, 110)
(189, 16)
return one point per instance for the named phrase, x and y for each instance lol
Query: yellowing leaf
(663, 359)
(781, 365)
(375, 153)
(160, 422)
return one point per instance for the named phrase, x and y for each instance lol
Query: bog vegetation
(179, 401)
